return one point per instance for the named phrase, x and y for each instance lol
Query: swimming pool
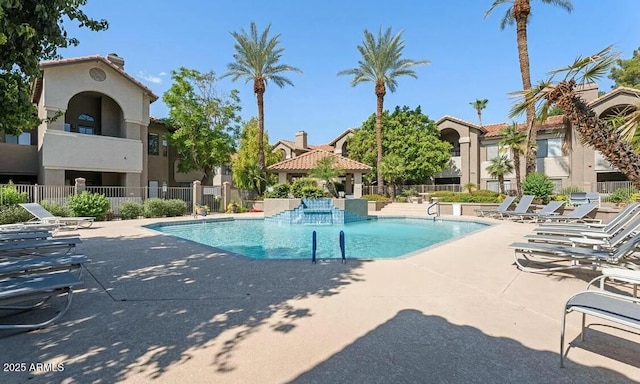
(371, 239)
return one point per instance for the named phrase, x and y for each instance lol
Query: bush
(89, 204)
(9, 195)
(375, 198)
(10, 214)
(538, 185)
(622, 195)
(311, 192)
(298, 185)
(55, 208)
(401, 199)
(130, 210)
(464, 197)
(279, 191)
(442, 194)
(154, 207)
(176, 207)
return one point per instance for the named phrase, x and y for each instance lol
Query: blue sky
(470, 56)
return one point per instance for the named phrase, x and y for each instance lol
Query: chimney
(587, 92)
(301, 139)
(117, 60)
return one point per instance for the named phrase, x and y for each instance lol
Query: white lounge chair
(618, 308)
(503, 207)
(46, 217)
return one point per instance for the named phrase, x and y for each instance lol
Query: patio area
(160, 309)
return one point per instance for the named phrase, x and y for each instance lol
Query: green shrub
(312, 192)
(55, 208)
(9, 195)
(622, 195)
(464, 197)
(154, 207)
(298, 185)
(175, 207)
(401, 199)
(89, 204)
(442, 194)
(410, 192)
(279, 191)
(10, 214)
(538, 185)
(375, 198)
(130, 210)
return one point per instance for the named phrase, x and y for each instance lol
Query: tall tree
(409, 134)
(31, 31)
(498, 167)
(381, 64)
(518, 13)
(626, 73)
(206, 124)
(593, 131)
(393, 171)
(479, 105)
(245, 166)
(257, 58)
(516, 140)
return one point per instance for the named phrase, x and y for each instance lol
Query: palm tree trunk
(259, 89)
(596, 133)
(501, 182)
(380, 92)
(516, 165)
(480, 117)
(206, 179)
(521, 12)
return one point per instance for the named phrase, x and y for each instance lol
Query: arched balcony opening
(93, 113)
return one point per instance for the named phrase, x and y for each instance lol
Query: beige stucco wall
(63, 82)
(63, 150)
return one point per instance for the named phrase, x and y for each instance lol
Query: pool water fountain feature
(320, 211)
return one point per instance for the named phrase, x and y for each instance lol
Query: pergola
(301, 165)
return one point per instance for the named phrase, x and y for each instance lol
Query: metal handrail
(437, 206)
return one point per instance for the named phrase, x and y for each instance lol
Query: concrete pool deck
(160, 309)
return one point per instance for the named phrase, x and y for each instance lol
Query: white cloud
(151, 78)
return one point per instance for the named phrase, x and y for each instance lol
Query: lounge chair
(39, 264)
(593, 197)
(523, 206)
(36, 287)
(45, 217)
(35, 247)
(578, 198)
(544, 254)
(504, 206)
(589, 238)
(571, 229)
(618, 308)
(579, 214)
(548, 210)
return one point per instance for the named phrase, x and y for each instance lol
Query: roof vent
(117, 60)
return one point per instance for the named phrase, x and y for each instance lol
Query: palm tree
(498, 167)
(516, 140)
(479, 105)
(257, 58)
(327, 170)
(593, 131)
(518, 13)
(381, 64)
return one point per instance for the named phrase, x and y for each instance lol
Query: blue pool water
(381, 238)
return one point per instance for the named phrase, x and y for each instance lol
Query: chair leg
(564, 317)
(582, 330)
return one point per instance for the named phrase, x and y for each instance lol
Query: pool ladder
(314, 246)
(436, 206)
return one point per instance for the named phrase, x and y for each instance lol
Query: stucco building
(474, 146)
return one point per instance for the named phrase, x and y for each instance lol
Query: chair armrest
(596, 235)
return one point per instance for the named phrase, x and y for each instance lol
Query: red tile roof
(307, 162)
(552, 123)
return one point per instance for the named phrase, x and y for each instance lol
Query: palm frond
(535, 95)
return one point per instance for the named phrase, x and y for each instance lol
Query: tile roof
(37, 89)
(307, 162)
(324, 147)
(552, 123)
(460, 121)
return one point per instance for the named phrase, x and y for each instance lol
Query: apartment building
(474, 146)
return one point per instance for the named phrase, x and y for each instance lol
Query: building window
(85, 117)
(165, 148)
(86, 127)
(23, 139)
(557, 185)
(494, 185)
(549, 148)
(67, 127)
(86, 130)
(154, 144)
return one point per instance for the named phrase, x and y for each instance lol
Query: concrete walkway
(164, 310)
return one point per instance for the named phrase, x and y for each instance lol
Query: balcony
(67, 150)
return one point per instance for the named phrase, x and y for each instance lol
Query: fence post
(36, 197)
(80, 186)
(196, 195)
(226, 194)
